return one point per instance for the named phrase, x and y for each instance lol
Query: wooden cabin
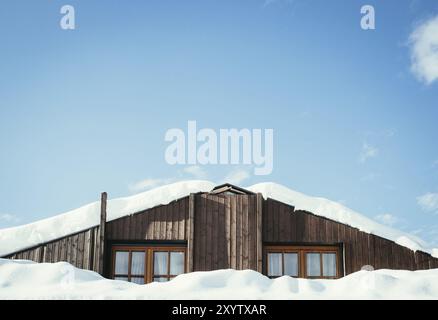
(229, 227)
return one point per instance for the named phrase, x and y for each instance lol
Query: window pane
(313, 265)
(122, 261)
(274, 265)
(329, 264)
(176, 263)
(160, 263)
(137, 263)
(121, 278)
(291, 264)
(137, 280)
(160, 279)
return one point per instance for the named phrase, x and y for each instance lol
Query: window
(130, 266)
(303, 262)
(146, 264)
(167, 265)
(282, 263)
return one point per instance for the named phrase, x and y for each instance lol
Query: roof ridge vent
(230, 188)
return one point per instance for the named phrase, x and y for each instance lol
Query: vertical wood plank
(209, 216)
(162, 213)
(144, 222)
(191, 232)
(245, 232)
(199, 226)
(184, 216)
(259, 218)
(238, 233)
(228, 230)
(175, 220)
(169, 220)
(214, 245)
(86, 254)
(80, 257)
(150, 225)
(204, 221)
(103, 206)
(56, 251)
(222, 258)
(157, 223)
(251, 221)
(233, 227)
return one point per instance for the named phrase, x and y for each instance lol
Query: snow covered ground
(22, 237)
(20, 279)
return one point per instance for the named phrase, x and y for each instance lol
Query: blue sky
(86, 110)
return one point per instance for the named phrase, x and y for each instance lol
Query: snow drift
(22, 237)
(20, 279)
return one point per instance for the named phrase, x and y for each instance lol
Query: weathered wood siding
(226, 232)
(167, 222)
(281, 224)
(77, 249)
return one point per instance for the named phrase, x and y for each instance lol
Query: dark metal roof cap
(228, 187)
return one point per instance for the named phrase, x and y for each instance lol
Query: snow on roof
(26, 236)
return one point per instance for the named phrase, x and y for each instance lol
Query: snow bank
(22, 237)
(21, 279)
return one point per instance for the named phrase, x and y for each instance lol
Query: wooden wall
(284, 225)
(227, 231)
(168, 222)
(80, 249)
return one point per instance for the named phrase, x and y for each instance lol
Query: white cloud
(196, 171)
(148, 184)
(237, 177)
(428, 202)
(8, 220)
(424, 51)
(387, 219)
(6, 217)
(367, 152)
(428, 233)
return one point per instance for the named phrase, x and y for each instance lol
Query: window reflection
(122, 262)
(160, 263)
(138, 262)
(274, 265)
(313, 264)
(291, 264)
(176, 263)
(329, 264)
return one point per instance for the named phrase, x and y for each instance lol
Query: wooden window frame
(168, 276)
(149, 260)
(302, 258)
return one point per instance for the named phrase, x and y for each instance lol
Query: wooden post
(259, 236)
(101, 253)
(191, 233)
